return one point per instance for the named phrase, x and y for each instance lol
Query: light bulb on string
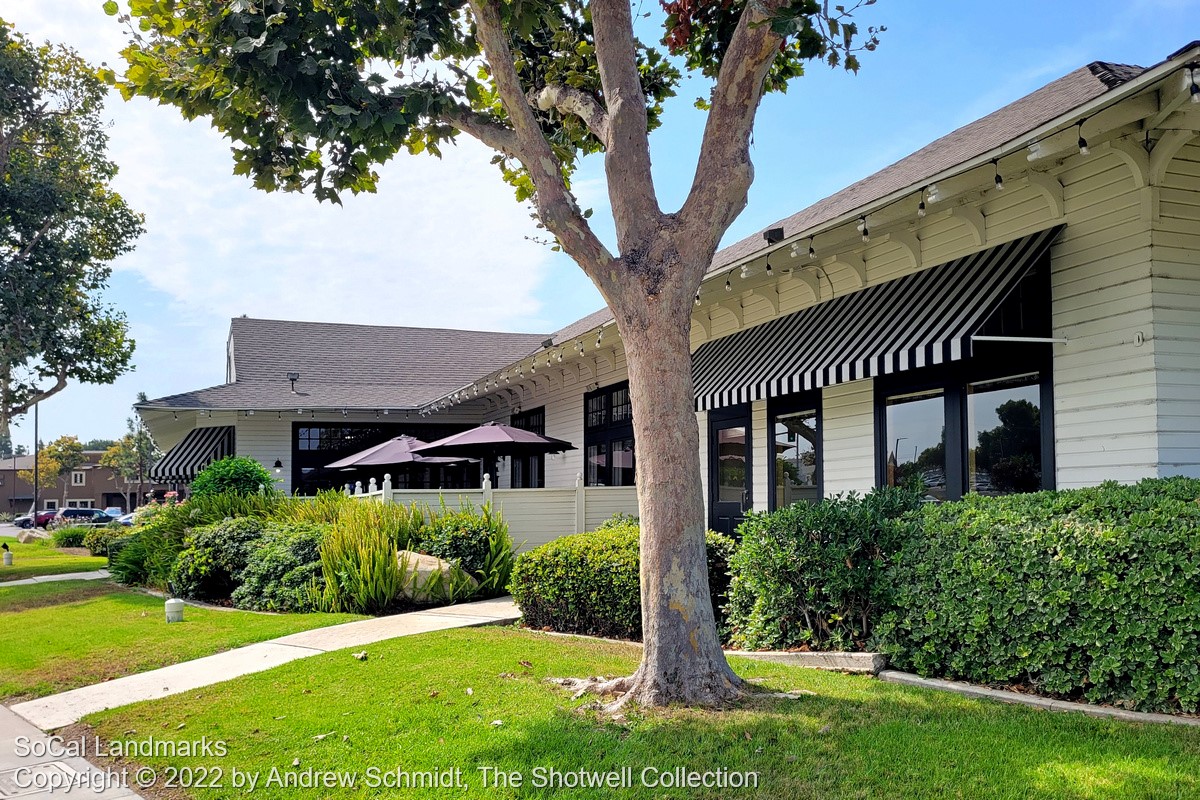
(1083, 145)
(999, 180)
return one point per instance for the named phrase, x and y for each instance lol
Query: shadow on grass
(893, 745)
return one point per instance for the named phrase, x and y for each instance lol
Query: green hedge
(283, 572)
(1091, 594)
(210, 565)
(588, 583)
(815, 574)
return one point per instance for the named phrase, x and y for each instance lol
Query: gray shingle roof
(1008, 124)
(351, 366)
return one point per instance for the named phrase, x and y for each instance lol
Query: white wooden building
(1014, 306)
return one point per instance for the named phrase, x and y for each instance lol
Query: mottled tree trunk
(682, 660)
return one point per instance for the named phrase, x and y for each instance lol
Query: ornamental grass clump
(359, 566)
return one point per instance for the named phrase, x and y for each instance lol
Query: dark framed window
(984, 424)
(608, 448)
(315, 444)
(529, 472)
(795, 472)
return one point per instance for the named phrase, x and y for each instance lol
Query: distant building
(87, 486)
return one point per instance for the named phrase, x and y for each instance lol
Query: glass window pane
(797, 473)
(622, 408)
(595, 414)
(597, 464)
(622, 462)
(916, 441)
(1004, 429)
(731, 455)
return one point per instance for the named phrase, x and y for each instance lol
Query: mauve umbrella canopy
(495, 439)
(394, 451)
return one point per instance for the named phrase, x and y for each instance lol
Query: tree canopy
(315, 94)
(60, 227)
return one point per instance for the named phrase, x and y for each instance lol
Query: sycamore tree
(131, 458)
(314, 94)
(60, 226)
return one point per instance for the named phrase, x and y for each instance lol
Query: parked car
(43, 519)
(114, 511)
(126, 519)
(80, 516)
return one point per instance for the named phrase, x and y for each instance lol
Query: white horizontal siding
(848, 437)
(764, 448)
(535, 516)
(1176, 282)
(1104, 388)
(602, 502)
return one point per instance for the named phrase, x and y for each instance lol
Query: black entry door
(729, 460)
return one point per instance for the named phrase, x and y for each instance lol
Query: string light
(728, 285)
(697, 297)
(999, 180)
(599, 337)
(866, 234)
(862, 223)
(1195, 90)
(745, 271)
(921, 205)
(1083, 145)
(770, 271)
(812, 250)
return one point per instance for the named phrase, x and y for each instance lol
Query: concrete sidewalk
(58, 710)
(41, 764)
(97, 575)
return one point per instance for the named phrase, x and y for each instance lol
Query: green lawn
(42, 558)
(408, 707)
(61, 635)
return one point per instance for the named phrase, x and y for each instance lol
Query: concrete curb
(857, 663)
(96, 575)
(971, 690)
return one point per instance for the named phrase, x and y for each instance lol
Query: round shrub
(236, 474)
(1089, 594)
(459, 536)
(283, 570)
(589, 583)
(97, 539)
(815, 574)
(214, 556)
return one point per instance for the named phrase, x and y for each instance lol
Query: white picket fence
(534, 516)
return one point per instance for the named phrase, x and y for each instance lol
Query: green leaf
(111, 8)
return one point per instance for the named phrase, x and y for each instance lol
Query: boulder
(428, 579)
(25, 537)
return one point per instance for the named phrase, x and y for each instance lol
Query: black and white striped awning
(198, 449)
(924, 318)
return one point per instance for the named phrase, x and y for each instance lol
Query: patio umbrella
(400, 450)
(494, 439)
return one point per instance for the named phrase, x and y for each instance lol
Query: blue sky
(443, 243)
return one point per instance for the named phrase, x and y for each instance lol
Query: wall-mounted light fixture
(278, 466)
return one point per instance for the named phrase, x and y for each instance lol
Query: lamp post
(36, 464)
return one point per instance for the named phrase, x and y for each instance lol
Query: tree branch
(575, 102)
(60, 383)
(496, 136)
(556, 207)
(724, 171)
(627, 150)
